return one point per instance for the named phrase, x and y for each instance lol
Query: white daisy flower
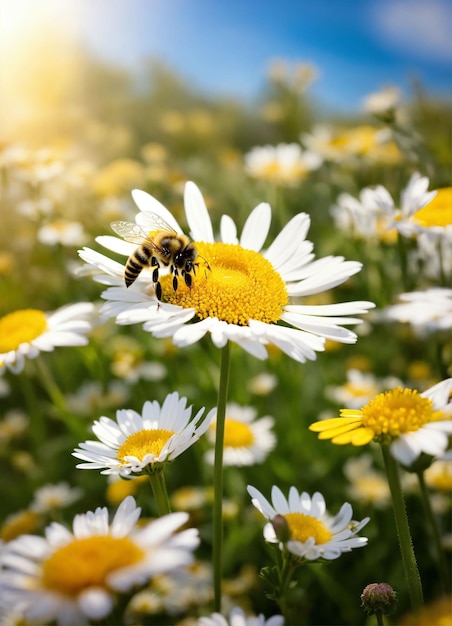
(239, 293)
(71, 577)
(285, 163)
(246, 440)
(361, 217)
(27, 332)
(48, 498)
(428, 310)
(314, 534)
(412, 199)
(142, 443)
(435, 218)
(237, 617)
(63, 232)
(414, 422)
(356, 145)
(383, 102)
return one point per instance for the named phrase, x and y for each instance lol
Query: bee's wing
(151, 222)
(129, 232)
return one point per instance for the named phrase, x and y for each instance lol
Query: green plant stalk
(158, 485)
(286, 572)
(58, 399)
(401, 246)
(442, 564)
(217, 548)
(403, 529)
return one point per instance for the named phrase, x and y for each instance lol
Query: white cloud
(422, 27)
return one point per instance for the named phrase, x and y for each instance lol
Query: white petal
(116, 245)
(228, 230)
(146, 202)
(440, 393)
(95, 602)
(404, 450)
(285, 244)
(197, 214)
(279, 501)
(256, 227)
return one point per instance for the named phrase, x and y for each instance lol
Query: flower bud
(378, 598)
(281, 528)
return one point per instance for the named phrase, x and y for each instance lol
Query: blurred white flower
(72, 577)
(237, 617)
(63, 232)
(382, 102)
(246, 440)
(360, 388)
(27, 332)
(428, 310)
(92, 396)
(412, 198)
(285, 163)
(262, 384)
(48, 498)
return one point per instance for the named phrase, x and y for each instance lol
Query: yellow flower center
(240, 285)
(303, 526)
(237, 434)
(274, 170)
(87, 562)
(357, 390)
(438, 212)
(144, 442)
(398, 411)
(21, 327)
(359, 140)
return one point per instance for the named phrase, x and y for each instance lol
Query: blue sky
(224, 46)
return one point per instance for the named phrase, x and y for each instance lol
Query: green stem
(403, 259)
(379, 617)
(443, 569)
(403, 529)
(158, 485)
(218, 475)
(57, 398)
(286, 573)
(38, 431)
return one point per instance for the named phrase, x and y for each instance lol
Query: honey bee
(160, 246)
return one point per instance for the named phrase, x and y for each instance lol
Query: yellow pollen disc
(240, 285)
(85, 563)
(21, 327)
(144, 442)
(303, 526)
(360, 390)
(438, 212)
(398, 411)
(237, 434)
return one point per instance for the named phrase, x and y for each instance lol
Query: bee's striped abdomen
(135, 263)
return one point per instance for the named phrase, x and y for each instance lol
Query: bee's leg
(155, 274)
(175, 280)
(158, 290)
(188, 279)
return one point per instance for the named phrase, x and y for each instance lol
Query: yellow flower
(410, 422)
(436, 613)
(438, 212)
